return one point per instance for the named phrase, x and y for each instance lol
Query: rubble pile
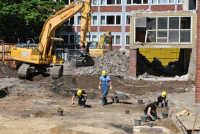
(114, 62)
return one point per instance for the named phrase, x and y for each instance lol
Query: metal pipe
(175, 5)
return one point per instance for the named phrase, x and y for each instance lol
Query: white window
(117, 40)
(79, 20)
(166, 1)
(164, 30)
(127, 40)
(94, 3)
(92, 38)
(69, 39)
(127, 19)
(94, 20)
(103, 20)
(110, 20)
(136, 2)
(111, 2)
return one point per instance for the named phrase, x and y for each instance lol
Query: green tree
(21, 19)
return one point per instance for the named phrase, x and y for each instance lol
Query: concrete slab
(161, 79)
(188, 122)
(147, 129)
(9, 82)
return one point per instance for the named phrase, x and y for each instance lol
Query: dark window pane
(137, 1)
(127, 40)
(118, 1)
(71, 39)
(162, 23)
(110, 1)
(112, 39)
(128, 1)
(151, 23)
(145, 1)
(173, 22)
(140, 34)
(66, 22)
(185, 22)
(71, 46)
(128, 19)
(71, 20)
(110, 19)
(162, 34)
(66, 38)
(174, 36)
(72, 0)
(66, 2)
(118, 19)
(185, 36)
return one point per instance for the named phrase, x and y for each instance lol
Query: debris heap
(6, 72)
(114, 62)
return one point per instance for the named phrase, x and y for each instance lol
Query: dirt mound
(6, 72)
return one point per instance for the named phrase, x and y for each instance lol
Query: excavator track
(56, 72)
(23, 71)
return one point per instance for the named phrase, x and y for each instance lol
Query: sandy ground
(42, 96)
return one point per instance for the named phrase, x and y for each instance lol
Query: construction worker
(81, 94)
(160, 97)
(151, 112)
(104, 83)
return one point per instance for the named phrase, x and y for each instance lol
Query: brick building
(114, 16)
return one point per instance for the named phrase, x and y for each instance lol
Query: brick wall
(165, 7)
(127, 29)
(197, 91)
(93, 28)
(110, 8)
(131, 8)
(132, 62)
(69, 28)
(110, 28)
(95, 9)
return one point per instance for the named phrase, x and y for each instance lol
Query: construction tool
(194, 123)
(175, 107)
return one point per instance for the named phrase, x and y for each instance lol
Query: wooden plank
(188, 122)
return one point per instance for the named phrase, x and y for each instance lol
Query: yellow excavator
(40, 57)
(97, 49)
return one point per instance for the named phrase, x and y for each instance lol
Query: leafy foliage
(21, 19)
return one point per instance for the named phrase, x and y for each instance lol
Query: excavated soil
(7, 72)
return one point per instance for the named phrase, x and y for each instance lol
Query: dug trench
(42, 96)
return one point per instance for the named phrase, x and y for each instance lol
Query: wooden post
(194, 123)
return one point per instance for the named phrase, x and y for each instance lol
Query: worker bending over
(160, 97)
(81, 94)
(151, 112)
(104, 83)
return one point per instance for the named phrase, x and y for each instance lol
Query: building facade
(114, 16)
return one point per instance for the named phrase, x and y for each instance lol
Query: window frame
(137, 4)
(79, 34)
(92, 4)
(111, 4)
(110, 24)
(156, 30)
(69, 38)
(125, 39)
(126, 20)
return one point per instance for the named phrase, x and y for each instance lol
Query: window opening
(117, 39)
(110, 19)
(137, 1)
(127, 40)
(162, 22)
(72, 20)
(110, 1)
(118, 19)
(185, 22)
(128, 1)
(128, 19)
(173, 22)
(140, 34)
(102, 20)
(71, 39)
(94, 20)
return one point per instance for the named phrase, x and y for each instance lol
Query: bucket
(59, 112)
(143, 118)
(137, 122)
(140, 101)
(164, 115)
(166, 103)
(150, 124)
(126, 111)
(160, 104)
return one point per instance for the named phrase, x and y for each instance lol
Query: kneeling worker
(151, 112)
(160, 97)
(81, 94)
